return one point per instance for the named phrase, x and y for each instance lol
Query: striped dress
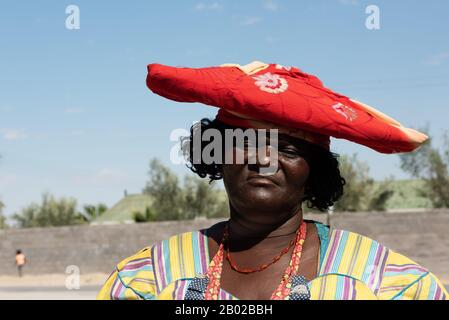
(352, 267)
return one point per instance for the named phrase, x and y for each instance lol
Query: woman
(266, 250)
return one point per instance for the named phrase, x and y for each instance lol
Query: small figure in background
(20, 261)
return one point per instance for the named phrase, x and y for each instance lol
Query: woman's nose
(266, 160)
(263, 156)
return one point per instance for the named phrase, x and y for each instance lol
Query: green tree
(50, 212)
(171, 201)
(361, 193)
(2, 217)
(92, 212)
(203, 199)
(163, 186)
(147, 216)
(430, 164)
(379, 195)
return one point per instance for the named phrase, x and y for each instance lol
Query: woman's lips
(257, 179)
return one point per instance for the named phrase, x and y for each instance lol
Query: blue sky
(76, 118)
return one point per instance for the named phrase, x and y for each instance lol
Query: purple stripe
(381, 270)
(118, 290)
(415, 267)
(136, 265)
(164, 274)
(137, 260)
(175, 290)
(160, 267)
(391, 288)
(353, 289)
(402, 265)
(201, 240)
(111, 294)
(346, 285)
(178, 292)
(181, 290)
(438, 293)
(333, 250)
(376, 263)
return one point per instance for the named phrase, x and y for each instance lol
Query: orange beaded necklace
(263, 266)
(282, 291)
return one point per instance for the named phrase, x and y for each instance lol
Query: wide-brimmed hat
(261, 95)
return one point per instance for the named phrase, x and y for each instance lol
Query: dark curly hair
(324, 185)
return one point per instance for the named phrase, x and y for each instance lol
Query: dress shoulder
(132, 279)
(386, 273)
(147, 273)
(404, 279)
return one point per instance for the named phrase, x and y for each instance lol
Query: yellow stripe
(174, 258)
(316, 288)
(187, 251)
(347, 254)
(360, 264)
(355, 255)
(130, 295)
(331, 288)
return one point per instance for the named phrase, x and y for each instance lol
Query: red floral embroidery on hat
(349, 113)
(271, 83)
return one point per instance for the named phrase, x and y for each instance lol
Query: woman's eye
(290, 152)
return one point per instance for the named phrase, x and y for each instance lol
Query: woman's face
(281, 192)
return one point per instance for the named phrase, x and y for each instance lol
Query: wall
(422, 236)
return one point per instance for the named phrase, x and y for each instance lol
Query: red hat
(260, 95)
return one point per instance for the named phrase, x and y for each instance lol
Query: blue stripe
(196, 248)
(370, 262)
(132, 273)
(339, 254)
(323, 235)
(432, 289)
(147, 296)
(166, 257)
(339, 290)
